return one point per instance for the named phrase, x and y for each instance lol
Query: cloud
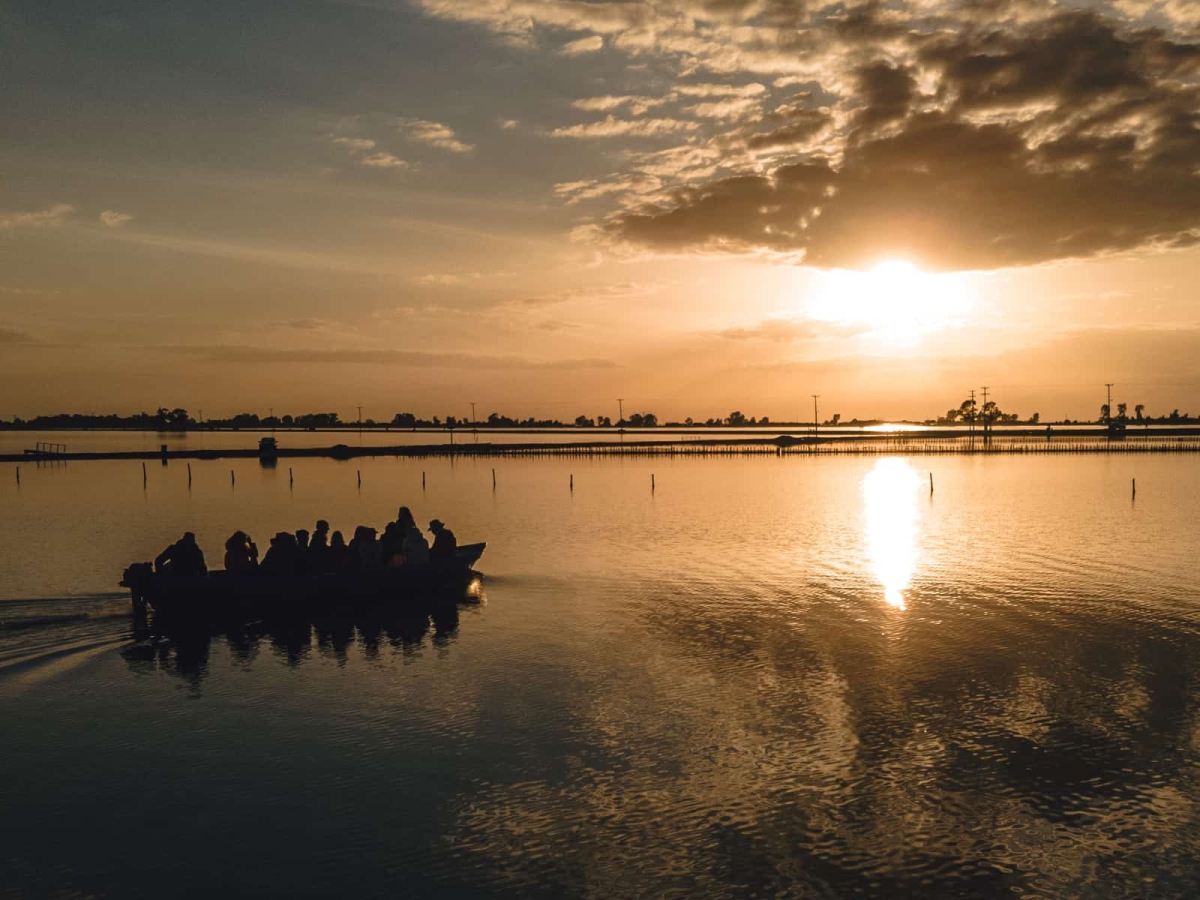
(611, 126)
(356, 145)
(435, 134)
(12, 336)
(49, 217)
(359, 356)
(303, 324)
(637, 105)
(113, 219)
(384, 161)
(583, 45)
(361, 149)
(1065, 138)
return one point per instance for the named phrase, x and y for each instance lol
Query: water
(769, 677)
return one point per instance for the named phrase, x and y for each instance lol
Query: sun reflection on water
(890, 492)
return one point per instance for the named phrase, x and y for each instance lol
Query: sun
(894, 303)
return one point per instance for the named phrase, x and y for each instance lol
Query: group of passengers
(402, 543)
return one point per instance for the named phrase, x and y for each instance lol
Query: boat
(220, 593)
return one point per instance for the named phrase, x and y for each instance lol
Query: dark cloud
(12, 336)
(1064, 138)
(315, 356)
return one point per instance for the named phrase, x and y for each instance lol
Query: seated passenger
(241, 556)
(404, 518)
(364, 550)
(391, 546)
(444, 542)
(415, 547)
(183, 557)
(318, 549)
(338, 559)
(301, 551)
(281, 558)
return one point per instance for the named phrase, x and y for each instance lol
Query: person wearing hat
(444, 542)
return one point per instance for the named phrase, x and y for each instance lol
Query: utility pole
(985, 421)
(472, 415)
(359, 408)
(815, 419)
(271, 416)
(974, 410)
(621, 413)
(201, 415)
(1108, 408)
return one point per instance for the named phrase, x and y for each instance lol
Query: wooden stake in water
(232, 481)
(291, 480)
(18, 475)
(422, 481)
(931, 482)
(189, 474)
(493, 479)
(359, 471)
(1135, 489)
(572, 482)
(652, 482)
(143, 474)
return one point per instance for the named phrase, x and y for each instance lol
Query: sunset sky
(542, 205)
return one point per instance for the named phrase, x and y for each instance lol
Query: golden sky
(542, 205)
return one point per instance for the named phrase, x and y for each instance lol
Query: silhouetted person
(339, 554)
(318, 549)
(365, 552)
(444, 541)
(415, 548)
(241, 556)
(183, 557)
(282, 556)
(391, 546)
(404, 518)
(302, 560)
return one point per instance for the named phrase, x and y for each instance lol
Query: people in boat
(404, 518)
(365, 552)
(444, 541)
(184, 557)
(338, 559)
(241, 555)
(282, 556)
(415, 547)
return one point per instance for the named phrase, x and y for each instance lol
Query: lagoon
(798, 676)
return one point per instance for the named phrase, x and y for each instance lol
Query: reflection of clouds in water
(890, 492)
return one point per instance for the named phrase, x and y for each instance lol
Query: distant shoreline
(1015, 439)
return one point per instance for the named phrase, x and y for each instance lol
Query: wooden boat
(220, 593)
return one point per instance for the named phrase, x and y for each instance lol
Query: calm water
(770, 677)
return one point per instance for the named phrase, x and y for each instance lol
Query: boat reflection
(182, 646)
(890, 493)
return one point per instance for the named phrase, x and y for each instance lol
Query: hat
(436, 525)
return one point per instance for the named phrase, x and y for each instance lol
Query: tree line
(969, 413)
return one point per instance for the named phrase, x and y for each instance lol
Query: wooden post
(652, 482)
(18, 476)
(143, 474)
(493, 479)
(189, 474)
(930, 482)
(359, 471)
(291, 480)
(1135, 489)
(572, 481)
(232, 480)
(422, 480)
